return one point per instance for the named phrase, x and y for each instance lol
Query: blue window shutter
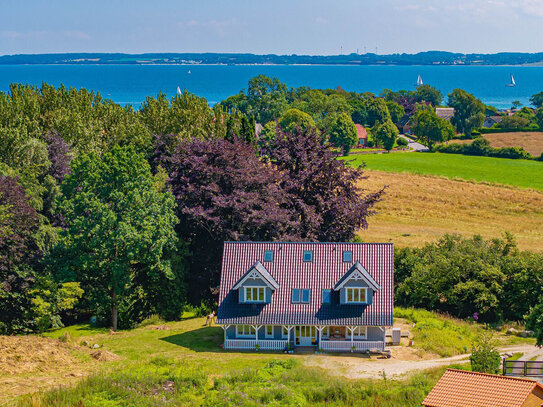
(268, 294)
(295, 295)
(305, 295)
(369, 296)
(241, 294)
(326, 296)
(343, 296)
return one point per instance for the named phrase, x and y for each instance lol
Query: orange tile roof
(458, 388)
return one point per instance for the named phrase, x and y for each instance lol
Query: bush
(481, 147)
(485, 358)
(402, 142)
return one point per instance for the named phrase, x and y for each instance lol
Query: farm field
(418, 209)
(521, 173)
(530, 141)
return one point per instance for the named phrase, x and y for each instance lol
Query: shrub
(485, 358)
(402, 142)
(481, 147)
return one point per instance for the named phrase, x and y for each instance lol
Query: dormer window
(268, 256)
(347, 257)
(254, 294)
(356, 295)
(308, 256)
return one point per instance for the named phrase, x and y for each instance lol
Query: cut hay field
(530, 141)
(418, 209)
(521, 173)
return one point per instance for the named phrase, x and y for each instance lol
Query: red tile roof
(290, 271)
(362, 132)
(458, 388)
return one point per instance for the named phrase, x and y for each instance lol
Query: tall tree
(223, 192)
(292, 119)
(342, 133)
(537, 100)
(376, 111)
(325, 194)
(385, 134)
(395, 110)
(431, 128)
(120, 228)
(428, 94)
(469, 112)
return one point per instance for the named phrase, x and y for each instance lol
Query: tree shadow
(205, 339)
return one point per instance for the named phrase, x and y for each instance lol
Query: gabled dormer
(256, 286)
(357, 286)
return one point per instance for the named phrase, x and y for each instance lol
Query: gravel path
(413, 144)
(359, 367)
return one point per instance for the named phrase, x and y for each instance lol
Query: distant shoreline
(536, 65)
(429, 58)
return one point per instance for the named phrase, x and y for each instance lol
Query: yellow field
(530, 141)
(418, 209)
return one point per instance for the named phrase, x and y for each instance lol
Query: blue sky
(271, 26)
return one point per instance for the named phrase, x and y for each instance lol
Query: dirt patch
(160, 327)
(29, 354)
(104, 355)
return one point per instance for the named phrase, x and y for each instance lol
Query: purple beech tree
(225, 192)
(324, 192)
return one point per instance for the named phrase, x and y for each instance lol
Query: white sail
(419, 81)
(513, 80)
(178, 90)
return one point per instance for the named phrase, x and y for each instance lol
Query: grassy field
(418, 209)
(530, 141)
(521, 173)
(181, 363)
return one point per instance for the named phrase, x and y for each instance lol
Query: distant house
(458, 388)
(362, 135)
(491, 121)
(334, 296)
(445, 112)
(404, 125)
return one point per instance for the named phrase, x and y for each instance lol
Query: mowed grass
(521, 173)
(419, 209)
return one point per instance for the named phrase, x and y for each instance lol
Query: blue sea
(131, 84)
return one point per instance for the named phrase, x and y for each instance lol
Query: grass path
(521, 173)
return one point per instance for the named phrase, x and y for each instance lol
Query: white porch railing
(345, 346)
(265, 344)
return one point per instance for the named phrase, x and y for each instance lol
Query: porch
(324, 338)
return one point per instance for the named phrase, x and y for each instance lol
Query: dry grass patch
(531, 141)
(418, 209)
(31, 363)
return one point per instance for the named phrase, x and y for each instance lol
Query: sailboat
(178, 90)
(513, 83)
(189, 72)
(419, 81)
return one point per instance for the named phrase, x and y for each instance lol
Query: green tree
(292, 119)
(516, 104)
(514, 122)
(376, 111)
(342, 133)
(485, 358)
(537, 100)
(469, 112)
(535, 322)
(385, 134)
(395, 110)
(427, 93)
(120, 229)
(430, 128)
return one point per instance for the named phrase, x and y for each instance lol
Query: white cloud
(321, 20)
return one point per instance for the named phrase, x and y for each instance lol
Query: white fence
(345, 346)
(268, 344)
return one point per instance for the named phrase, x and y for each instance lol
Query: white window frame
(245, 331)
(284, 332)
(301, 296)
(254, 289)
(266, 334)
(325, 332)
(360, 332)
(357, 290)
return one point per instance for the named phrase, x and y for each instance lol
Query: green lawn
(522, 173)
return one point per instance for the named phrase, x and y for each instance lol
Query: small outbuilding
(459, 388)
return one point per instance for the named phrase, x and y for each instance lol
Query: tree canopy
(469, 112)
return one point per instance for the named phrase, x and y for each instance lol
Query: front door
(305, 335)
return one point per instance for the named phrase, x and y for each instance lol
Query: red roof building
(459, 388)
(362, 135)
